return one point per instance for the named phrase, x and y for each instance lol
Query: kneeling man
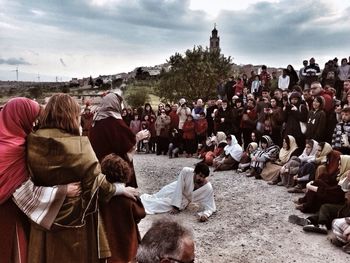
(192, 185)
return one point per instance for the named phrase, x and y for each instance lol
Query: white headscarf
(110, 106)
(235, 150)
(305, 156)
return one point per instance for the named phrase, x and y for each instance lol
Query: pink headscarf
(16, 122)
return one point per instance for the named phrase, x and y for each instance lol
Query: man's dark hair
(202, 168)
(162, 240)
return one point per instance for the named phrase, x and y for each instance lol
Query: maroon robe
(120, 217)
(112, 135)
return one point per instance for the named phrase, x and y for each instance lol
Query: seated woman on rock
(268, 152)
(325, 188)
(244, 164)
(231, 156)
(272, 170)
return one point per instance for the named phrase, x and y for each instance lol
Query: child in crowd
(121, 214)
(201, 129)
(174, 143)
(189, 136)
(135, 126)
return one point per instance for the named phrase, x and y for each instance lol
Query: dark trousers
(329, 212)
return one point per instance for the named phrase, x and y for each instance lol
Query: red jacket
(189, 130)
(201, 126)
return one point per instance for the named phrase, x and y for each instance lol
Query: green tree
(35, 92)
(137, 97)
(193, 75)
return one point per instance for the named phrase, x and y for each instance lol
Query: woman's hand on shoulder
(73, 189)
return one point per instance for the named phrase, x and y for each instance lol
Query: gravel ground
(251, 222)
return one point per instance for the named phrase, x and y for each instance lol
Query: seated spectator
(301, 169)
(322, 221)
(272, 170)
(166, 241)
(267, 152)
(340, 140)
(215, 147)
(121, 214)
(192, 185)
(231, 156)
(244, 164)
(324, 189)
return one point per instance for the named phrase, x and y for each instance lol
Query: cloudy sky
(79, 38)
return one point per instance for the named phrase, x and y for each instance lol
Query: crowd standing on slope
(290, 130)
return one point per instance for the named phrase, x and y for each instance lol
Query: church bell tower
(214, 40)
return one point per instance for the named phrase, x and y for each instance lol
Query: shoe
(295, 190)
(280, 184)
(294, 219)
(258, 176)
(321, 229)
(346, 248)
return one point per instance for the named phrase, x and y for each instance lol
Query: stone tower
(214, 40)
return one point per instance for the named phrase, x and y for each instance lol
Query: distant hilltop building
(214, 44)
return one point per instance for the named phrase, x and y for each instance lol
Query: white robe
(180, 193)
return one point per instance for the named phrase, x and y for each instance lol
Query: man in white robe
(191, 186)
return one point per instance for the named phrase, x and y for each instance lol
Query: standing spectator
(198, 109)
(316, 123)
(126, 117)
(311, 72)
(294, 114)
(255, 87)
(189, 136)
(147, 110)
(229, 89)
(273, 82)
(265, 77)
(293, 77)
(183, 111)
(152, 129)
(221, 90)
(344, 74)
(238, 87)
(302, 74)
(283, 81)
(251, 78)
(174, 118)
(224, 118)
(86, 120)
(210, 116)
(162, 131)
(248, 123)
(135, 126)
(201, 129)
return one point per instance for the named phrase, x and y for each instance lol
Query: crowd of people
(72, 198)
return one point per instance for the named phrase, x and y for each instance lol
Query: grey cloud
(274, 29)
(14, 61)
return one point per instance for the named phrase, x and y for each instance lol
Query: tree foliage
(194, 75)
(137, 97)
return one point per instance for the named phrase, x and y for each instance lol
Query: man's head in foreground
(167, 241)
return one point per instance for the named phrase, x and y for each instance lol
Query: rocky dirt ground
(251, 222)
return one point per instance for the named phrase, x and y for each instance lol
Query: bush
(137, 97)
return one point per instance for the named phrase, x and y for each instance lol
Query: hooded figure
(267, 152)
(246, 156)
(231, 156)
(273, 170)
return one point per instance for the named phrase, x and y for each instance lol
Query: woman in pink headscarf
(38, 203)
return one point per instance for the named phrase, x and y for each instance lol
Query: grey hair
(162, 240)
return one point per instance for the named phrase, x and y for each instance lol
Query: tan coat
(56, 158)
